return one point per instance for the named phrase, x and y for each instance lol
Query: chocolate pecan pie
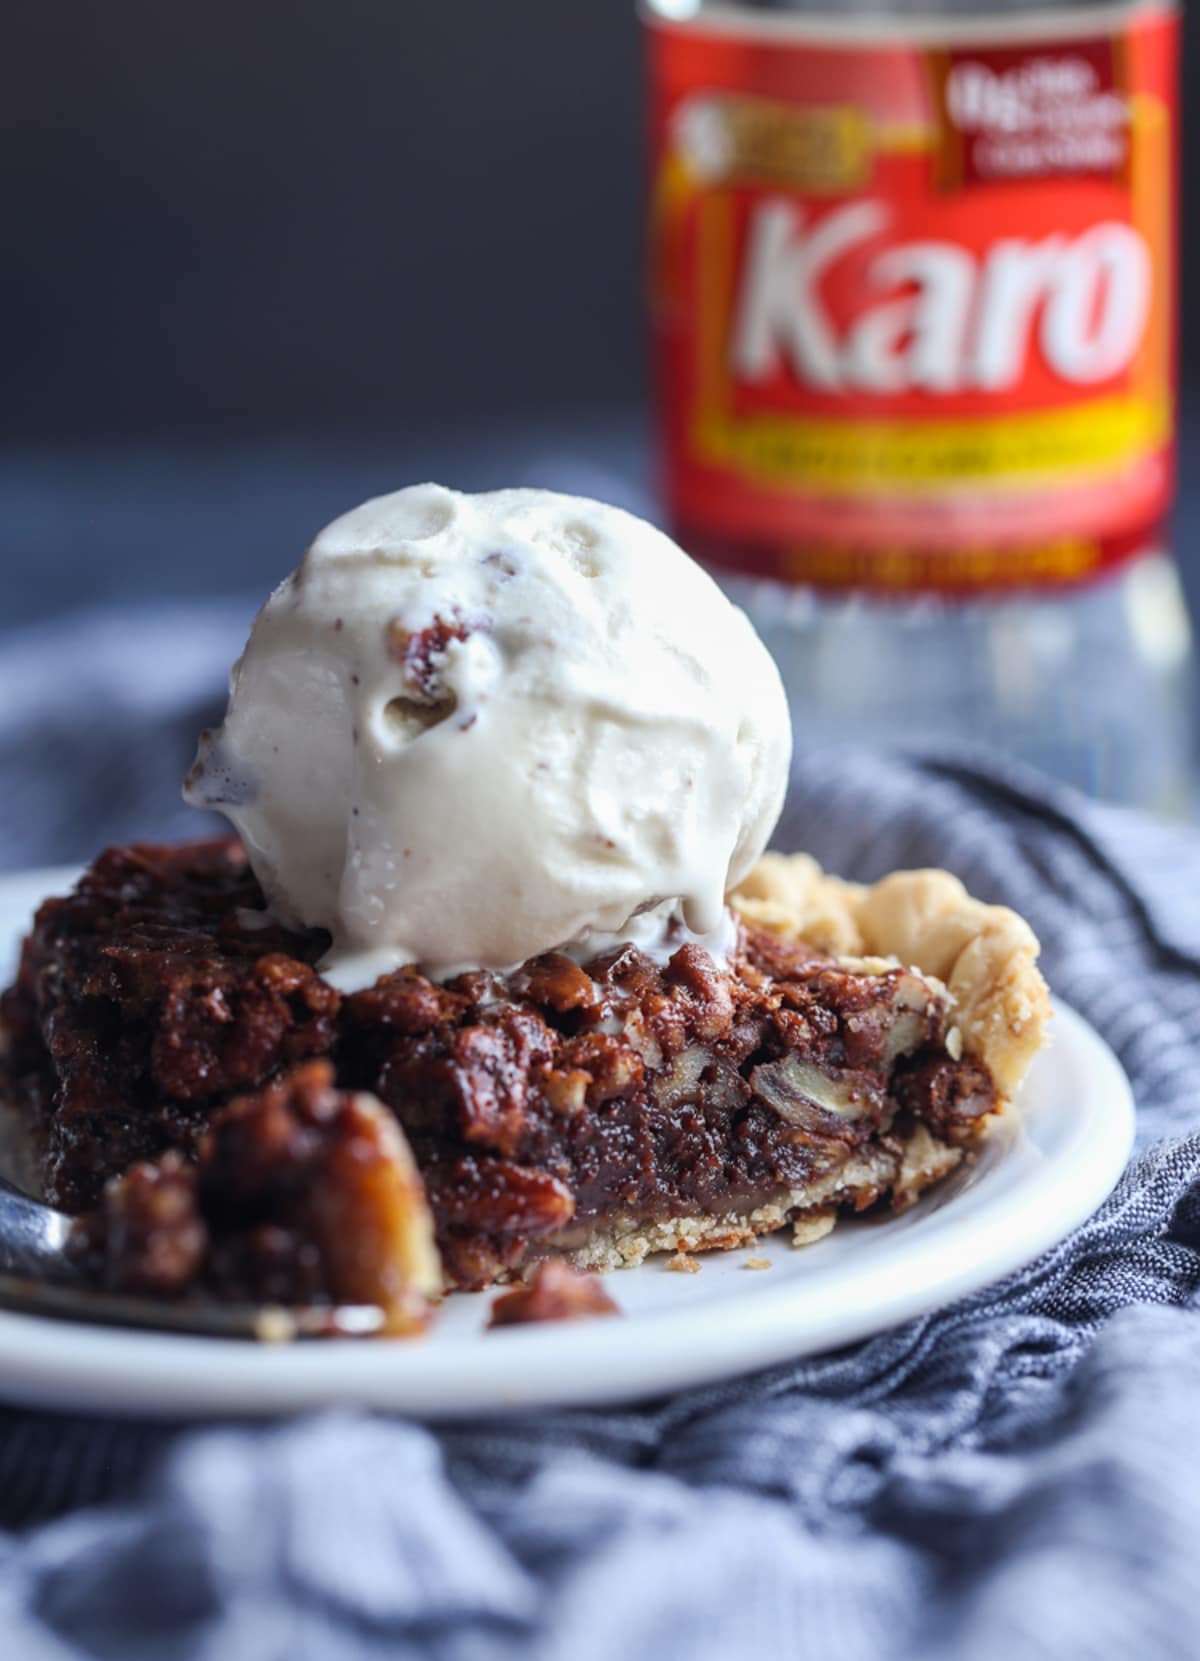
(160, 1042)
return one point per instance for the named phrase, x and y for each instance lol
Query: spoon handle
(33, 1238)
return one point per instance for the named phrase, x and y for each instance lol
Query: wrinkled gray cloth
(1017, 1475)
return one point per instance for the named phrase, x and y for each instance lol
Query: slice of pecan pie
(851, 1051)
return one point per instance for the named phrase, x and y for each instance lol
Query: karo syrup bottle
(912, 291)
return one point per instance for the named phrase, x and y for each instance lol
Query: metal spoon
(37, 1277)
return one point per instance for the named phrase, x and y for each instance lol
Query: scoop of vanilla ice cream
(470, 729)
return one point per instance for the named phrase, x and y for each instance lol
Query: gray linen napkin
(1017, 1475)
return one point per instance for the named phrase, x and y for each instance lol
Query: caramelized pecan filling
(540, 1107)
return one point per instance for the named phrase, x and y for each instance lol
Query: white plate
(1038, 1177)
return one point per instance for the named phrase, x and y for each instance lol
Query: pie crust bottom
(903, 1169)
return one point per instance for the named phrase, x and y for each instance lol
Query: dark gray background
(263, 257)
(318, 214)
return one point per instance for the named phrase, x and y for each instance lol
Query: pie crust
(984, 955)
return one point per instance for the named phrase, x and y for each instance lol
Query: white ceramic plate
(1038, 1177)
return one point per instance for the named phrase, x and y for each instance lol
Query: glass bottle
(912, 304)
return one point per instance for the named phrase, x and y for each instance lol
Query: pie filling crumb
(231, 1125)
(554, 1292)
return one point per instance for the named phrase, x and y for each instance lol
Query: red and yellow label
(913, 308)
